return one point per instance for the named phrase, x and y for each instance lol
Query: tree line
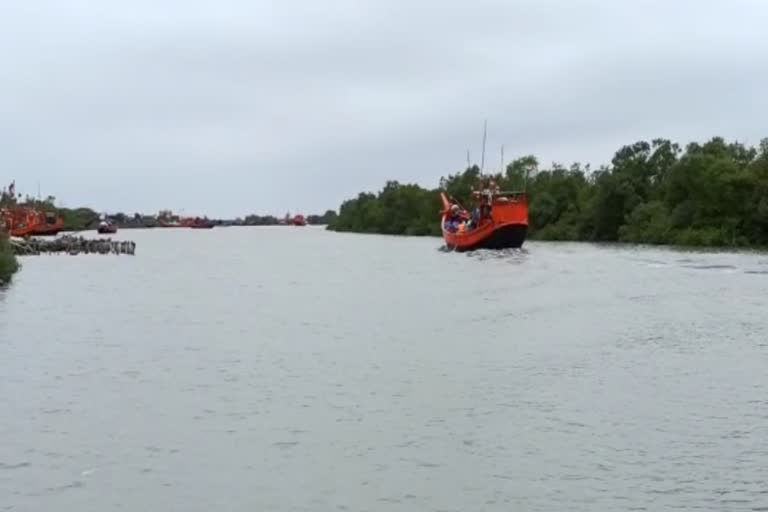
(84, 219)
(704, 194)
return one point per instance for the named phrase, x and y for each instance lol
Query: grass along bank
(8, 263)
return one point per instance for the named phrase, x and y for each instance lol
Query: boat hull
(46, 232)
(511, 236)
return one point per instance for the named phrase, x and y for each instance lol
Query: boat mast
(502, 159)
(482, 158)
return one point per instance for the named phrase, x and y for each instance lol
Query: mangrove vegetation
(8, 263)
(704, 194)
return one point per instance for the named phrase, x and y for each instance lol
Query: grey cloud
(238, 106)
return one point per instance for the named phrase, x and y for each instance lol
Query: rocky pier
(72, 245)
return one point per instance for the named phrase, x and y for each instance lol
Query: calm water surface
(288, 369)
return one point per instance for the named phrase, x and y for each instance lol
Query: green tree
(711, 193)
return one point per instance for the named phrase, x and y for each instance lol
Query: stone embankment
(72, 245)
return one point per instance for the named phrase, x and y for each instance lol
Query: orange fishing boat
(49, 224)
(498, 221)
(21, 222)
(18, 222)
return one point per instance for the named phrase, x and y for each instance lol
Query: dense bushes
(8, 263)
(656, 192)
(396, 210)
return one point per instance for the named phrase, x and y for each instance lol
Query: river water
(288, 369)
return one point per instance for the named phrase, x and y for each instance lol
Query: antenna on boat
(482, 158)
(502, 159)
(525, 179)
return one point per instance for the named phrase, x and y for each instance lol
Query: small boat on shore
(499, 220)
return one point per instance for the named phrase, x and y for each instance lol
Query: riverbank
(713, 194)
(8, 263)
(86, 219)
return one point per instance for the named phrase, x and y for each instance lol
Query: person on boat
(455, 218)
(487, 200)
(474, 219)
(494, 190)
(483, 209)
(485, 188)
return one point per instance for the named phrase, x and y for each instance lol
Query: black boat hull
(511, 236)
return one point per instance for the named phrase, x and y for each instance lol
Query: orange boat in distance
(499, 220)
(299, 220)
(197, 223)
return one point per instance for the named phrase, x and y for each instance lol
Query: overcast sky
(228, 107)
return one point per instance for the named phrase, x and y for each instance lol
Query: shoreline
(618, 243)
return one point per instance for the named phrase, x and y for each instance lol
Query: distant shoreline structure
(85, 219)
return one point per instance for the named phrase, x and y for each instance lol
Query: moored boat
(49, 224)
(169, 224)
(299, 220)
(22, 221)
(166, 219)
(198, 223)
(499, 220)
(18, 222)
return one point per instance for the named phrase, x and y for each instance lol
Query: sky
(230, 107)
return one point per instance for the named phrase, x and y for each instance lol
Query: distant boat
(165, 223)
(106, 228)
(299, 220)
(197, 223)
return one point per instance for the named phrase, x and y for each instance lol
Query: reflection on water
(509, 255)
(294, 369)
